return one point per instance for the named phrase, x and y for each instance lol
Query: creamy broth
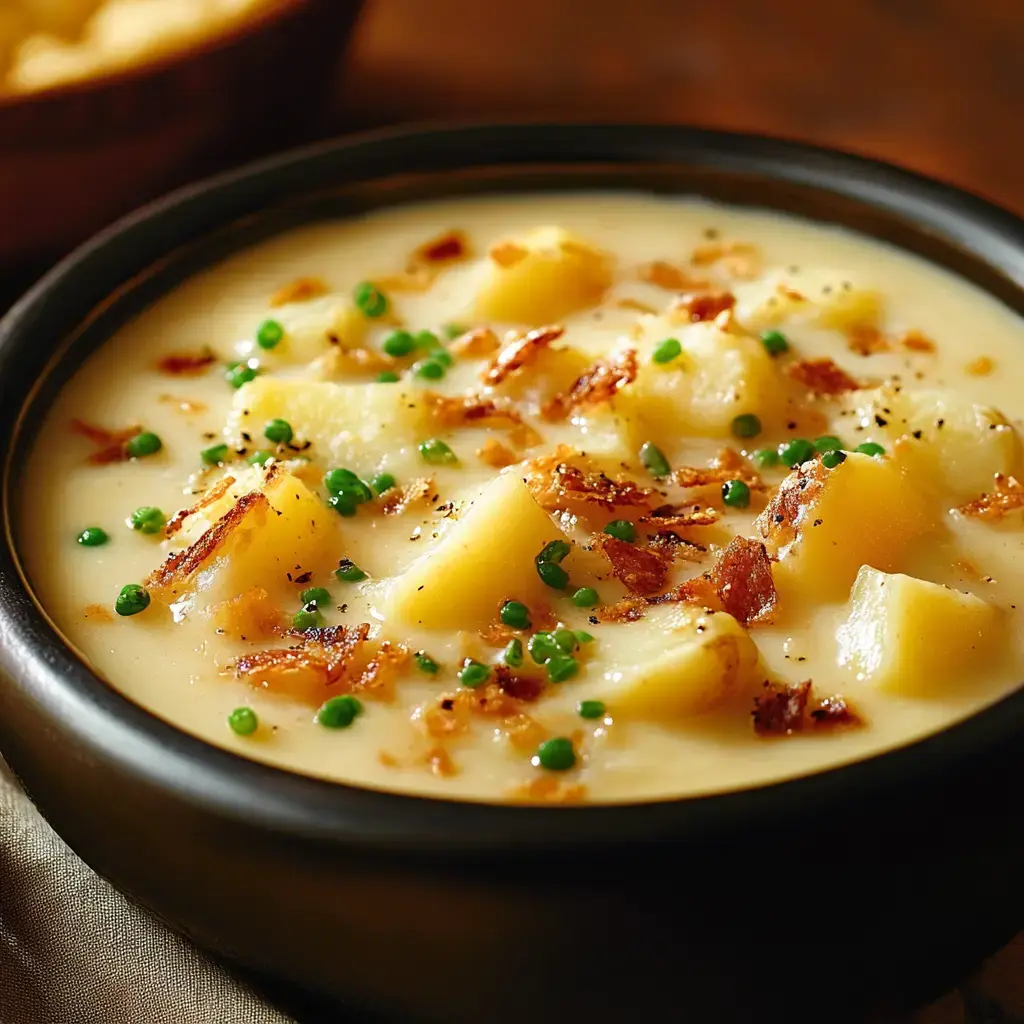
(688, 727)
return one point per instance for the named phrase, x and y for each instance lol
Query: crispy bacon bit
(399, 499)
(1006, 496)
(496, 455)
(497, 634)
(519, 352)
(319, 658)
(181, 567)
(833, 711)
(866, 339)
(572, 483)
(980, 367)
(98, 613)
(629, 609)
(447, 248)
(249, 616)
(481, 341)
(440, 762)
(601, 383)
(471, 411)
(186, 364)
(671, 278)
(668, 517)
(822, 376)
(917, 341)
(703, 306)
(521, 687)
(779, 711)
(377, 678)
(340, 362)
(214, 494)
(742, 578)
(112, 441)
(739, 259)
(642, 571)
(670, 545)
(728, 464)
(547, 789)
(786, 511)
(507, 254)
(300, 290)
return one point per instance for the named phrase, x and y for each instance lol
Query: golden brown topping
(634, 304)
(799, 490)
(642, 571)
(547, 789)
(446, 248)
(822, 376)
(726, 465)
(570, 483)
(703, 306)
(497, 634)
(738, 259)
(215, 493)
(301, 290)
(496, 455)
(522, 687)
(601, 383)
(629, 609)
(1006, 496)
(97, 613)
(399, 499)
(341, 362)
(471, 411)
(866, 339)
(249, 616)
(186, 364)
(980, 367)
(481, 341)
(111, 442)
(741, 580)
(671, 278)
(507, 254)
(378, 677)
(440, 762)
(917, 341)
(520, 352)
(180, 567)
(781, 710)
(670, 545)
(832, 711)
(417, 280)
(669, 517)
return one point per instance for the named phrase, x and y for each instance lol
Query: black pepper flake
(593, 620)
(209, 435)
(791, 425)
(779, 517)
(421, 586)
(917, 435)
(881, 421)
(711, 233)
(447, 704)
(304, 578)
(245, 436)
(333, 338)
(939, 423)
(817, 522)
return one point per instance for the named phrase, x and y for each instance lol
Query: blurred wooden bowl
(75, 156)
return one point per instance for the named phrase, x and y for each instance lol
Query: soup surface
(546, 498)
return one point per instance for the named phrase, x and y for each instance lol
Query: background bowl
(864, 887)
(75, 156)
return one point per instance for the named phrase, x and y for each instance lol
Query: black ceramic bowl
(817, 899)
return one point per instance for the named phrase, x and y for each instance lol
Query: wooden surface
(937, 85)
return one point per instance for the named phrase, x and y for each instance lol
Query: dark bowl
(822, 898)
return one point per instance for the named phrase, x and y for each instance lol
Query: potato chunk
(358, 426)
(824, 524)
(488, 554)
(695, 662)
(542, 277)
(309, 327)
(915, 638)
(942, 437)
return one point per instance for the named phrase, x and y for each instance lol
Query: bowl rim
(267, 17)
(48, 677)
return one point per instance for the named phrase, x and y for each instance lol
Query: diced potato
(542, 277)
(696, 661)
(488, 554)
(915, 638)
(720, 375)
(824, 524)
(360, 426)
(827, 298)
(961, 445)
(307, 326)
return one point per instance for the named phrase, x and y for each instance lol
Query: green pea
(513, 654)
(870, 448)
(452, 331)
(515, 614)
(315, 595)
(436, 452)
(93, 537)
(443, 356)
(147, 519)
(398, 344)
(774, 342)
(243, 721)
(654, 460)
(339, 712)
(542, 648)
(146, 443)
(349, 572)
(621, 529)
(238, 374)
(827, 443)
(307, 617)
(765, 458)
(278, 431)
(260, 458)
(473, 674)
(383, 482)
(565, 638)
(556, 755)
(736, 494)
(388, 377)
(585, 597)
(426, 664)
(553, 575)
(554, 551)
(344, 482)
(428, 369)
(343, 504)
(795, 452)
(427, 339)
(215, 454)
(269, 334)
(582, 636)
(745, 426)
(369, 300)
(832, 459)
(131, 600)
(591, 709)
(667, 350)
(562, 667)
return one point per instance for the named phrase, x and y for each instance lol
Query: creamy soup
(546, 498)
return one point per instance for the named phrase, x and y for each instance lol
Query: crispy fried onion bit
(110, 443)
(554, 481)
(302, 289)
(1007, 495)
(449, 247)
(740, 583)
(214, 494)
(643, 571)
(399, 499)
(822, 376)
(783, 709)
(728, 464)
(186, 364)
(601, 383)
(788, 507)
(700, 307)
(520, 352)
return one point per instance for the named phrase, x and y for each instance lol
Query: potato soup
(546, 498)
